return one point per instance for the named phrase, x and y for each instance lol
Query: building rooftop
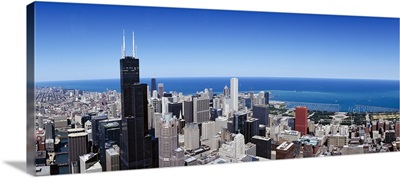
(261, 137)
(111, 124)
(112, 152)
(79, 134)
(190, 159)
(251, 119)
(284, 146)
(88, 156)
(291, 132)
(99, 117)
(96, 166)
(179, 149)
(249, 145)
(218, 161)
(59, 118)
(76, 130)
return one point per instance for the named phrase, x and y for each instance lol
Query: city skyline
(168, 129)
(85, 40)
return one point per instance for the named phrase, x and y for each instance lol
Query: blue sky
(77, 42)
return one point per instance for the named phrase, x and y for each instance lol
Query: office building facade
(301, 117)
(136, 145)
(235, 93)
(77, 146)
(262, 113)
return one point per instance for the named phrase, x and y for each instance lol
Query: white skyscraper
(208, 130)
(233, 151)
(234, 93)
(192, 136)
(148, 92)
(240, 146)
(151, 116)
(216, 103)
(168, 140)
(156, 121)
(208, 135)
(112, 159)
(164, 105)
(155, 94)
(220, 123)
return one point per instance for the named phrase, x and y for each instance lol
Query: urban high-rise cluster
(147, 127)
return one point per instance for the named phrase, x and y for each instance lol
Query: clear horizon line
(147, 77)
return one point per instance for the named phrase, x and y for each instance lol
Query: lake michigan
(344, 94)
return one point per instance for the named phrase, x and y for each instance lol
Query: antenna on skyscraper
(123, 43)
(133, 45)
(136, 52)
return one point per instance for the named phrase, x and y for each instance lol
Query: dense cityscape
(147, 127)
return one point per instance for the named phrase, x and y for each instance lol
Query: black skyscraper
(109, 133)
(261, 112)
(136, 145)
(176, 109)
(251, 128)
(188, 111)
(153, 85)
(239, 121)
(95, 131)
(266, 96)
(263, 146)
(215, 113)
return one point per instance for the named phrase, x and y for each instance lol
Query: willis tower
(136, 144)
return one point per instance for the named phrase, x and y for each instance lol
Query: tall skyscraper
(49, 128)
(153, 84)
(160, 90)
(109, 135)
(215, 113)
(266, 97)
(251, 128)
(154, 94)
(175, 108)
(239, 121)
(77, 146)
(397, 128)
(210, 93)
(208, 130)
(136, 145)
(188, 111)
(300, 123)
(114, 110)
(95, 130)
(168, 140)
(201, 109)
(164, 105)
(112, 159)
(239, 146)
(216, 103)
(263, 146)
(262, 113)
(226, 91)
(157, 105)
(192, 136)
(221, 123)
(235, 93)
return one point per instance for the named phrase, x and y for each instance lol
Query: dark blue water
(347, 93)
